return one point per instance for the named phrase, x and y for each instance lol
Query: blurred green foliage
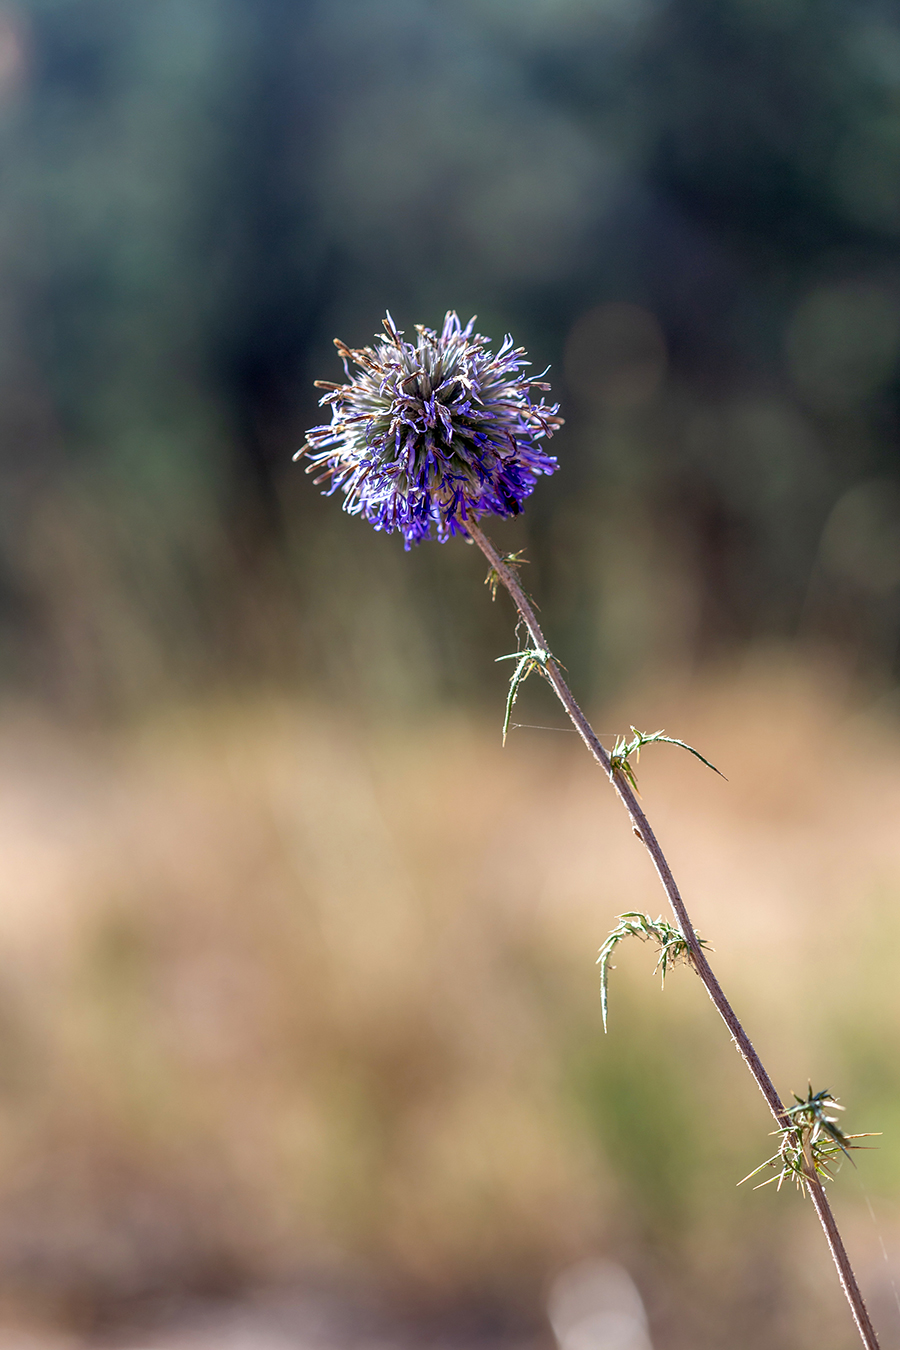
(690, 208)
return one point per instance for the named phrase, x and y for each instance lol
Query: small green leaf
(673, 946)
(623, 750)
(533, 658)
(513, 561)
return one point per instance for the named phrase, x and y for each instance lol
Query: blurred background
(299, 1022)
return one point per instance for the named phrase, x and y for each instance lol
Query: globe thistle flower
(433, 432)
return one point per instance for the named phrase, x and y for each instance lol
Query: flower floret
(432, 433)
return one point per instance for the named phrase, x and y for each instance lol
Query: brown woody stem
(642, 829)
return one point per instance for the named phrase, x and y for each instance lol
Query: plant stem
(641, 828)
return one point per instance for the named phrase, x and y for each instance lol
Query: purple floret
(432, 433)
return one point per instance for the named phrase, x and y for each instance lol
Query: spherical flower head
(432, 433)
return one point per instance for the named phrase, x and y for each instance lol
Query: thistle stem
(642, 829)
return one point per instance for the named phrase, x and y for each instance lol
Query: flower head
(432, 432)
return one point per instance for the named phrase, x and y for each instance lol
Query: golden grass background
(286, 996)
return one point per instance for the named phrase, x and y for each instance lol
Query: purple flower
(432, 432)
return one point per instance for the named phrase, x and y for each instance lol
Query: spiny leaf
(513, 560)
(813, 1139)
(533, 658)
(623, 750)
(673, 946)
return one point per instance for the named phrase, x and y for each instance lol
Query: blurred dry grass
(282, 995)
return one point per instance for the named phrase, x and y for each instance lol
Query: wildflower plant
(428, 437)
(432, 434)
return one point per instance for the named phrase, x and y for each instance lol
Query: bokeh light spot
(843, 343)
(616, 356)
(595, 1305)
(861, 539)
